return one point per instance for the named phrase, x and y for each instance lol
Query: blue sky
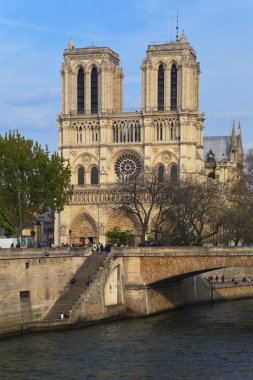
(33, 35)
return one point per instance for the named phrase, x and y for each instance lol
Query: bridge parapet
(182, 251)
(149, 265)
(18, 253)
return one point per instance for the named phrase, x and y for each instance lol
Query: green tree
(31, 181)
(120, 237)
(9, 231)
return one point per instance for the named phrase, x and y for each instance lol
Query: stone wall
(31, 281)
(104, 298)
(142, 300)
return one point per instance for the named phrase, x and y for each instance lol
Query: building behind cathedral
(105, 145)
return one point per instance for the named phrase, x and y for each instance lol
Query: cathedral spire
(233, 147)
(239, 129)
(183, 38)
(233, 137)
(71, 43)
(177, 28)
(239, 144)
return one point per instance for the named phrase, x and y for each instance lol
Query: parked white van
(7, 242)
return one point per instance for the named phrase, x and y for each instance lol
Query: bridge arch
(182, 266)
(156, 264)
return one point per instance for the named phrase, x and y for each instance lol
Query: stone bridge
(136, 281)
(159, 278)
(150, 265)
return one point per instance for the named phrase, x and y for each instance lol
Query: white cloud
(40, 28)
(10, 48)
(24, 119)
(32, 98)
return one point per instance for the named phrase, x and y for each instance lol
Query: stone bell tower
(170, 77)
(91, 80)
(105, 146)
(170, 89)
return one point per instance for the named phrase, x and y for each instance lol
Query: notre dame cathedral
(105, 145)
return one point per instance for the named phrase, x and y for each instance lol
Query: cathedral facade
(105, 145)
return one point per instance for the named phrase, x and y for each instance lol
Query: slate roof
(220, 146)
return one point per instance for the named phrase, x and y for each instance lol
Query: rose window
(127, 167)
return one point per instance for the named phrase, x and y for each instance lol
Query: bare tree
(237, 221)
(188, 211)
(195, 211)
(144, 197)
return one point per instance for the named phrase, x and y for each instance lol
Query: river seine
(209, 342)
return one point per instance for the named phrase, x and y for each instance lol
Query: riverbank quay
(31, 280)
(37, 286)
(34, 282)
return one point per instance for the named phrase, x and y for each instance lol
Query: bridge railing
(43, 252)
(182, 251)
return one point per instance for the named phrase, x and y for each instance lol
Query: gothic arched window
(80, 91)
(94, 90)
(173, 173)
(173, 88)
(94, 176)
(161, 173)
(160, 88)
(81, 176)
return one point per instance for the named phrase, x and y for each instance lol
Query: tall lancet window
(94, 90)
(174, 173)
(81, 176)
(94, 176)
(161, 173)
(160, 88)
(80, 91)
(173, 88)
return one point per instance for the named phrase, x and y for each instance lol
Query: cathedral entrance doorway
(84, 229)
(125, 223)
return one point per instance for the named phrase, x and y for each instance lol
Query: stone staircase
(92, 305)
(84, 276)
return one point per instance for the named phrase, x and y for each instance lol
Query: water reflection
(203, 342)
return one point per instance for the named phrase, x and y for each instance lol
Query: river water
(207, 342)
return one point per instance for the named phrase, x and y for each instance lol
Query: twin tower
(92, 79)
(104, 145)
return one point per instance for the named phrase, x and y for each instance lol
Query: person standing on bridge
(107, 248)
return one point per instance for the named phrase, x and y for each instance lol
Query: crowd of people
(95, 247)
(99, 248)
(215, 279)
(221, 279)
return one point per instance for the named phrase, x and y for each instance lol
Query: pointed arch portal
(84, 228)
(124, 222)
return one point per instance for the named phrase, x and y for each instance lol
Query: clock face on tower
(127, 167)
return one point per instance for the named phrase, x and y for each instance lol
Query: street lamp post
(98, 224)
(20, 217)
(58, 228)
(38, 228)
(70, 235)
